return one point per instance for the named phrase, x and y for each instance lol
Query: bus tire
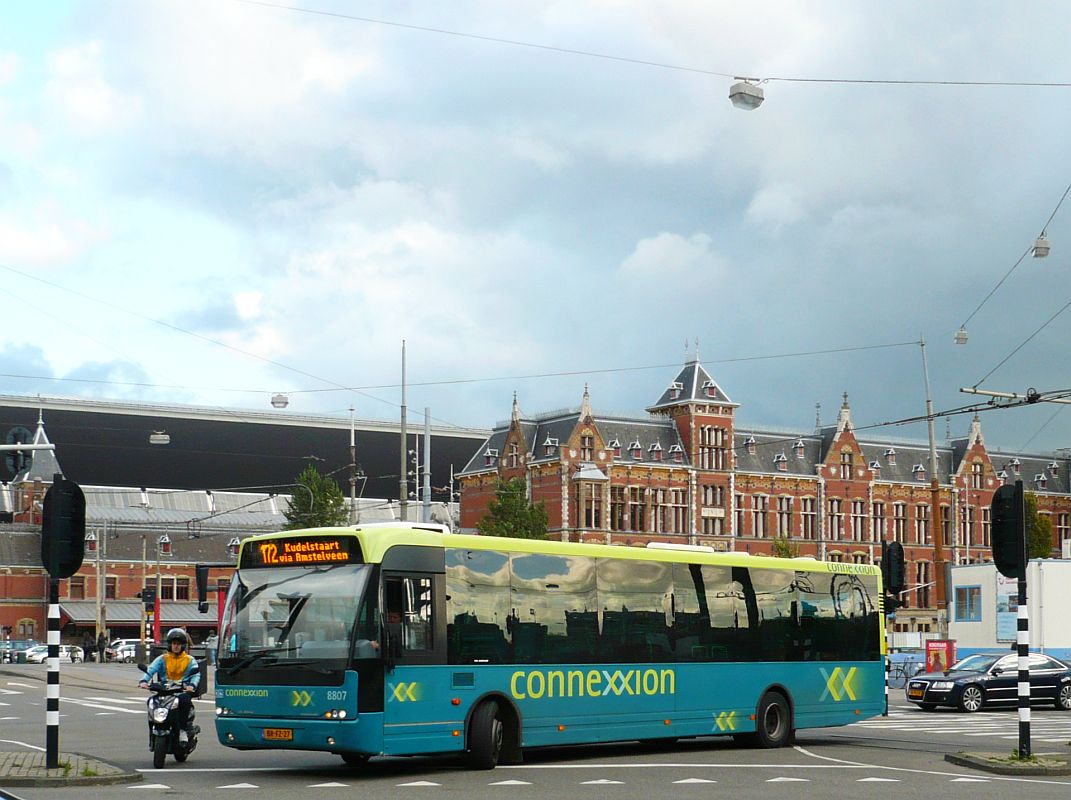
(773, 721)
(485, 736)
(355, 759)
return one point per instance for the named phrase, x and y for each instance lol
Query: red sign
(940, 654)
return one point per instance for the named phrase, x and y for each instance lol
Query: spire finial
(585, 404)
(818, 416)
(844, 420)
(515, 415)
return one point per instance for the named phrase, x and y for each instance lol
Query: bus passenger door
(415, 719)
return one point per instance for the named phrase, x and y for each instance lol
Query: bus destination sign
(301, 551)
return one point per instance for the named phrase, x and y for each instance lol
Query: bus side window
(409, 612)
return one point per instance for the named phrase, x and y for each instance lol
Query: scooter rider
(176, 665)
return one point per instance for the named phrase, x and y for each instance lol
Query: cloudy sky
(205, 202)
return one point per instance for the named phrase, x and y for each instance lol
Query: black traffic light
(148, 597)
(1007, 513)
(892, 567)
(63, 528)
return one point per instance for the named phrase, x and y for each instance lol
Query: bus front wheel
(355, 759)
(485, 737)
(773, 721)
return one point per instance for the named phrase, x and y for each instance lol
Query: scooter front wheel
(159, 751)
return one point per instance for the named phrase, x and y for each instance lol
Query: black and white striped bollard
(53, 692)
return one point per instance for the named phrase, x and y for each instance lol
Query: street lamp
(746, 95)
(280, 400)
(936, 523)
(1041, 246)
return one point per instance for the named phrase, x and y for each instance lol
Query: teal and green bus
(403, 639)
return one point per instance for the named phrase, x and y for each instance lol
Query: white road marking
(969, 780)
(510, 783)
(239, 786)
(9, 691)
(331, 785)
(113, 699)
(98, 705)
(149, 786)
(23, 744)
(105, 714)
(789, 780)
(878, 780)
(23, 685)
(601, 782)
(695, 780)
(4, 718)
(420, 783)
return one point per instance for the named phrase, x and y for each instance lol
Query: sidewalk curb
(1000, 764)
(31, 771)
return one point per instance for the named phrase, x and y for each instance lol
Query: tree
(510, 513)
(316, 502)
(1038, 530)
(783, 548)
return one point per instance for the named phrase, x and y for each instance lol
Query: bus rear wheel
(773, 722)
(485, 737)
(355, 759)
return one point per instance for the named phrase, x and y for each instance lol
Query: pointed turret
(42, 464)
(974, 436)
(844, 419)
(515, 415)
(693, 384)
(585, 404)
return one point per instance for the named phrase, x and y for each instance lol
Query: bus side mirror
(201, 571)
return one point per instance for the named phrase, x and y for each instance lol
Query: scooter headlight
(159, 715)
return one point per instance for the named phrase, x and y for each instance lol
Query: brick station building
(687, 472)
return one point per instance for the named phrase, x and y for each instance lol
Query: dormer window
(1040, 480)
(656, 451)
(615, 445)
(1054, 468)
(709, 389)
(675, 390)
(636, 449)
(919, 472)
(800, 450)
(749, 442)
(676, 452)
(549, 445)
(781, 462)
(1015, 465)
(875, 467)
(890, 457)
(490, 457)
(1003, 476)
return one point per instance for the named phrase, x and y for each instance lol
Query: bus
(405, 639)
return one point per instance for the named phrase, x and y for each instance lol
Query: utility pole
(403, 477)
(353, 470)
(935, 508)
(143, 653)
(427, 464)
(103, 550)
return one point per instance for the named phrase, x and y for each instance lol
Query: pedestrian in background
(102, 643)
(88, 647)
(211, 643)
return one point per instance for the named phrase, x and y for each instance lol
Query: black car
(991, 680)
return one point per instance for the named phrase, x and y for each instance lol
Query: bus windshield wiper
(299, 662)
(252, 657)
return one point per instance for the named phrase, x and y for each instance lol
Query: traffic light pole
(1022, 639)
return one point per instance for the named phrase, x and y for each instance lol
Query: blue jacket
(169, 667)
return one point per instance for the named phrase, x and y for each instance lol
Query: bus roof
(377, 538)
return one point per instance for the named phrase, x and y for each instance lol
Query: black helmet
(177, 635)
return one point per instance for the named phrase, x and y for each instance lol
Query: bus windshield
(301, 619)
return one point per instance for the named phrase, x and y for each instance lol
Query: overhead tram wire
(1023, 344)
(1017, 263)
(639, 61)
(486, 379)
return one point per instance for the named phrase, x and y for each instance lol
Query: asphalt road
(102, 714)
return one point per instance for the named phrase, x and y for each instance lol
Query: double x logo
(301, 698)
(405, 691)
(726, 721)
(838, 684)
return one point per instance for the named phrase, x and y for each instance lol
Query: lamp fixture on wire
(1041, 246)
(746, 94)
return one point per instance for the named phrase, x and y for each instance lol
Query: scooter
(163, 706)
